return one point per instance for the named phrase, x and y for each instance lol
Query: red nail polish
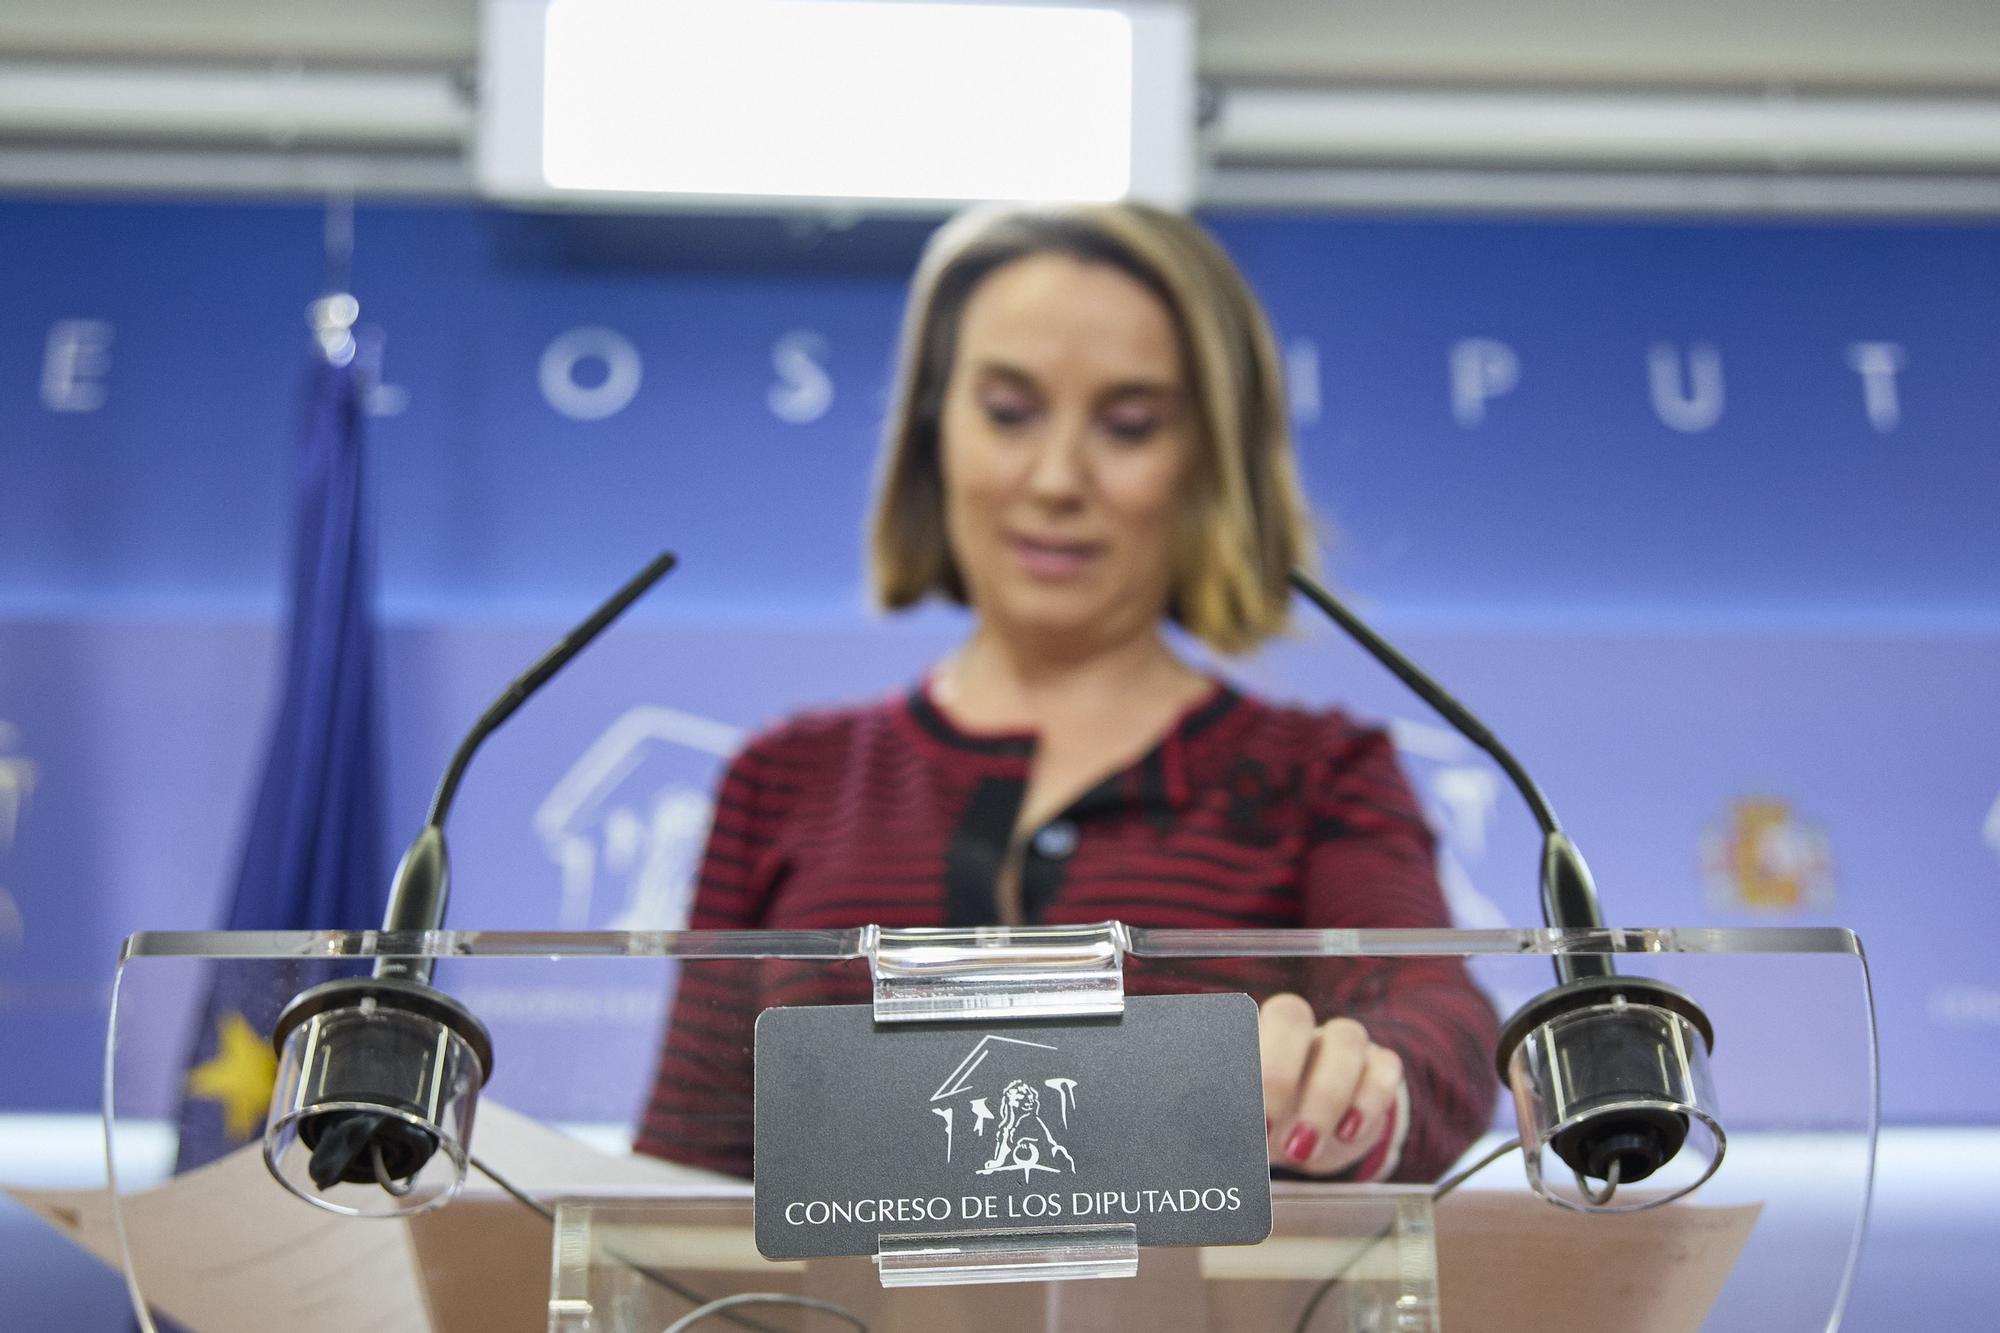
(1349, 1126)
(1299, 1146)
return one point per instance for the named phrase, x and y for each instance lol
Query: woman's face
(1065, 437)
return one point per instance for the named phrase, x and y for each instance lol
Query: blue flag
(313, 857)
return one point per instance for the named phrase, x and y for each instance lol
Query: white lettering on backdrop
(590, 402)
(804, 390)
(1686, 384)
(1689, 403)
(1302, 380)
(75, 360)
(382, 398)
(1877, 364)
(1481, 370)
(17, 781)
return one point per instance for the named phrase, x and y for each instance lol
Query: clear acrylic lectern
(535, 1214)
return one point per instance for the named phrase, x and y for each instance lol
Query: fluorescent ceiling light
(834, 99)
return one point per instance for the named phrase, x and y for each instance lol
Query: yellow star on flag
(240, 1076)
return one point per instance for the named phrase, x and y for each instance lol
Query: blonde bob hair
(1243, 524)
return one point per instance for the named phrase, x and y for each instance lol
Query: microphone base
(1611, 1084)
(378, 1079)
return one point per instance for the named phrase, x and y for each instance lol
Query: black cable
(1444, 1187)
(720, 1307)
(526, 1200)
(659, 1279)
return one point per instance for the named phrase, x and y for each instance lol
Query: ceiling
(1871, 43)
(1868, 43)
(1928, 57)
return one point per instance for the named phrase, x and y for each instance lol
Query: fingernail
(1299, 1146)
(1349, 1126)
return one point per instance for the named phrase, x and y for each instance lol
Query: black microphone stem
(536, 676)
(423, 879)
(1569, 898)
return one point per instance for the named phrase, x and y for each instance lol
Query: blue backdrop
(1702, 517)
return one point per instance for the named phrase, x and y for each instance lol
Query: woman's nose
(1057, 471)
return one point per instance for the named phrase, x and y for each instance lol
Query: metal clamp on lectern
(998, 972)
(1045, 1254)
(1002, 973)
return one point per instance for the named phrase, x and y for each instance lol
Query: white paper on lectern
(225, 1250)
(228, 1251)
(1510, 1263)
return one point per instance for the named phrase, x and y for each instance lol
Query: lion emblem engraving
(1022, 1140)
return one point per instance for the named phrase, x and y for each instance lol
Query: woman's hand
(1328, 1090)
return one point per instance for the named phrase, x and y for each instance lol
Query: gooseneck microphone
(1569, 898)
(423, 879)
(1609, 1072)
(377, 1073)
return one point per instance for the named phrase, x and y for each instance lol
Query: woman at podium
(1090, 444)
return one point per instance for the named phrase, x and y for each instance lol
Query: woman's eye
(1133, 429)
(1007, 411)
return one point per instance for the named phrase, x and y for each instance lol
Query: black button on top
(1056, 839)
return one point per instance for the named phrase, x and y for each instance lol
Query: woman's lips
(1051, 559)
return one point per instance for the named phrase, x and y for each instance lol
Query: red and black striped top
(1245, 815)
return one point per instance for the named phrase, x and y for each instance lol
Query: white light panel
(875, 100)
